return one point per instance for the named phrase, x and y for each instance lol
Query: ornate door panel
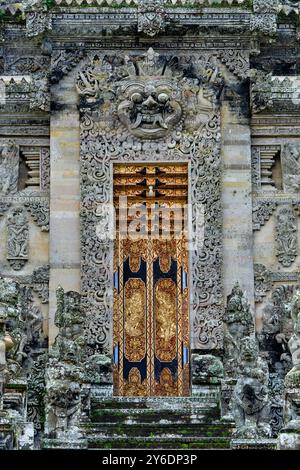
(151, 318)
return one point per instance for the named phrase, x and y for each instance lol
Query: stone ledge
(238, 444)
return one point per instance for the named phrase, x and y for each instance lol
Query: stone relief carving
(149, 107)
(17, 238)
(273, 340)
(115, 128)
(292, 377)
(238, 323)
(40, 283)
(40, 94)
(236, 61)
(9, 168)
(37, 22)
(39, 209)
(263, 23)
(10, 306)
(62, 62)
(291, 167)
(21, 340)
(250, 400)
(262, 281)
(65, 371)
(261, 212)
(36, 394)
(37, 89)
(255, 168)
(289, 435)
(265, 6)
(261, 90)
(286, 236)
(45, 169)
(151, 17)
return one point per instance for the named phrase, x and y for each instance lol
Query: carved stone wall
(108, 87)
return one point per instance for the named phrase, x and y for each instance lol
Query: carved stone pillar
(64, 249)
(236, 198)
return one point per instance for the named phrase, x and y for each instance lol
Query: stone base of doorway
(158, 422)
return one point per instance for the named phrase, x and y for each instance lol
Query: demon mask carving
(149, 108)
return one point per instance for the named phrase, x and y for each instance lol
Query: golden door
(151, 302)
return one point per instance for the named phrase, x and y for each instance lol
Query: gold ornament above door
(151, 298)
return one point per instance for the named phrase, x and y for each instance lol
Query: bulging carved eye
(136, 97)
(163, 97)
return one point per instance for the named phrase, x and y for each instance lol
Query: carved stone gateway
(150, 107)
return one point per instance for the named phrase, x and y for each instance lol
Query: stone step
(169, 403)
(146, 415)
(139, 442)
(156, 429)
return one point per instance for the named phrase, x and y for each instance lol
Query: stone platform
(157, 422)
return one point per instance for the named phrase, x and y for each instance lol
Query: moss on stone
(18, 18)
